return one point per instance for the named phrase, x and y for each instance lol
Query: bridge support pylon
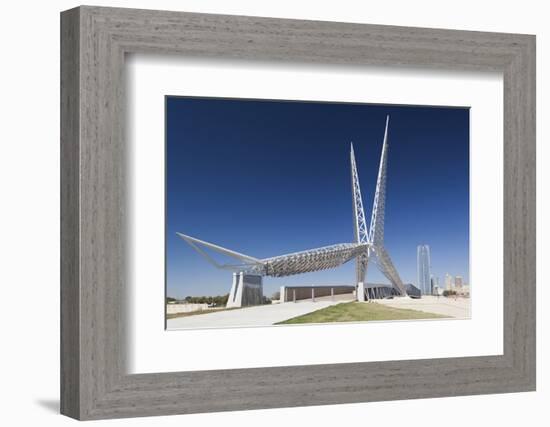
(246, 290)
(360, 292)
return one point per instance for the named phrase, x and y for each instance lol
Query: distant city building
(423, 269)
(435, 285)
(449, 282)
(458, 282)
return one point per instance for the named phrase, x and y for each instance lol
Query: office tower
(458, 282)
(449, 283)
(423, 269)
(435, 284)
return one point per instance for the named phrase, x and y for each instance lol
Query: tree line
(218, 300)
(448, 293)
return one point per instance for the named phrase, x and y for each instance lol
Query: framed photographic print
(267, 203)
(349, 208)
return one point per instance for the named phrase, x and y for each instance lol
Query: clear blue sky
(268, 177)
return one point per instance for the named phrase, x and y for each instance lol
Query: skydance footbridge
(367, 247)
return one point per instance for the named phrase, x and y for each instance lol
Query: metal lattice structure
(366, 247)
(377, 251)
(360, 229)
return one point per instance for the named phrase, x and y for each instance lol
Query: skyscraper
(435, 285)
(449, 283)
(458, 282)
(423, 269)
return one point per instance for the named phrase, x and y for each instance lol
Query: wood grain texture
(94, 381)
(70, 291)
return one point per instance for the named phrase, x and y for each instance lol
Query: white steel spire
(360, 229)
(359, 220)
(376, 238)
(379, 205)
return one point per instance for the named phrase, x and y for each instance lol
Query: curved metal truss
(367, 246)
(312, 260)
(283, 265)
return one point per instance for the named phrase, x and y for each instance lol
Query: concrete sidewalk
(459, 308)
(262, 315)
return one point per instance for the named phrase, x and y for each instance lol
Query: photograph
(287, 212)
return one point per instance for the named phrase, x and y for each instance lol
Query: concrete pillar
(361, 292)
(332, 294)
(246, 290)
(282, 294)
(232, 293)
(313, 294)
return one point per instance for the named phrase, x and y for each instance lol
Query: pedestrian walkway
(262, 315)
(458, 308)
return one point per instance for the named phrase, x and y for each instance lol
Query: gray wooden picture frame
(94, 382)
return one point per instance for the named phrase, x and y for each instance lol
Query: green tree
(218, 300)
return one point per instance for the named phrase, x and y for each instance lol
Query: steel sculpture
(367, 247)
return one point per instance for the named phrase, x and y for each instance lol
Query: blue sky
(271, 177)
